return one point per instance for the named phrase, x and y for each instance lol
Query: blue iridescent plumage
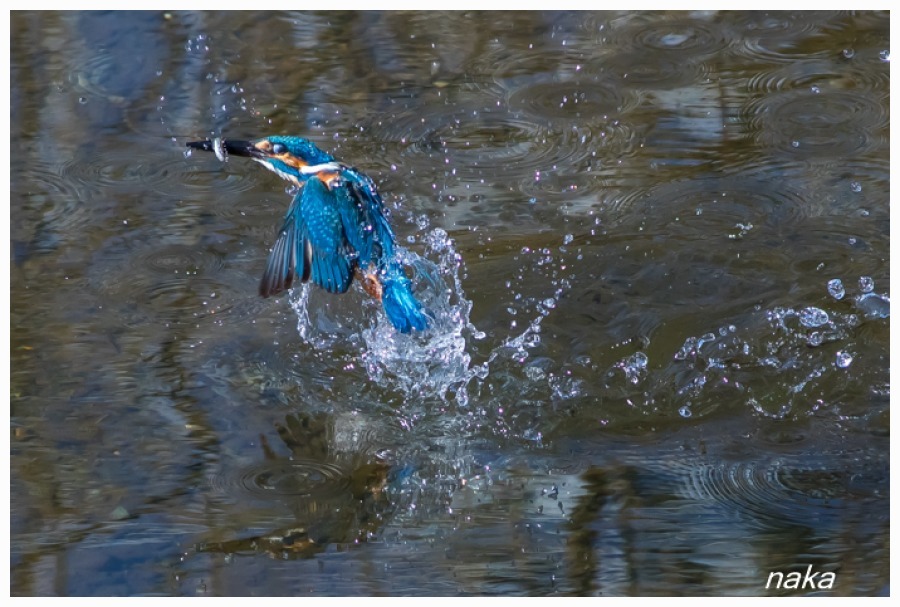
(335, 227)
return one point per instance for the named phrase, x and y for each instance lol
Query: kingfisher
(335, 229)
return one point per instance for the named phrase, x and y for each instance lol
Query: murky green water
(657, 250)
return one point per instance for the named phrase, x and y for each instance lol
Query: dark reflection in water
(656, 246)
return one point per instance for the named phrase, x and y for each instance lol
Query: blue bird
(335, 228)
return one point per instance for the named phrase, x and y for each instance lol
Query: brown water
(656, 246)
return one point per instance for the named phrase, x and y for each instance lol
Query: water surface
(656, 246)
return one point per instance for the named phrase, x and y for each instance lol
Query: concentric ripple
(682, 37)
(170, 174)
(484, 142)
(56, 204)
(806, 124)
(97, 168)
(822, 73)
(745, 200)
(175, 174)
(181, 258)
(582, 99)
(93, 73)
(502, 69)
(652, 72)
(169, 283)
(773, 36)
(554, 85)
(284, 478)
(782, 492)
(612, 144)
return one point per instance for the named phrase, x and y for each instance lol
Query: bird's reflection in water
(336, 498)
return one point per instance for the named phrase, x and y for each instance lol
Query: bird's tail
(401, 306)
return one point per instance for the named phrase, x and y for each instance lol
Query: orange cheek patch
(291, 160)
(287, 158)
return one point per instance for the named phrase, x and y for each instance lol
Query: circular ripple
(174, 175)
(774, 36)
(169, 174)
(681, 38)
(612, 144)
(502, 68)
(285, 478)
(802, 124)
(779, 492)
(60, 201)
(485, 142)
(181, 258)
(167, 283)
(824, 73)
(99, 169)
(652, 72)
(708, 206)
(93, 73)
(576, 99)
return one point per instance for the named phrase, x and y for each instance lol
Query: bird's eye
(279, 148)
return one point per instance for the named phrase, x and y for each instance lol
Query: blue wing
(328, 232)
(365, 221)
(290, 255)
(364, 218)
(311, 244)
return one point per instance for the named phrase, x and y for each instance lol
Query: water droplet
(848, 53)
(534, 373)
(685, 411)
(634, 366)
(843, 359)
(885, 55)
(856, 186)
(795, 144)
(742, 231)
(815, 90)
(873, 305)
(866, 284)
(568, 238)
(836, 288)
(813, 317)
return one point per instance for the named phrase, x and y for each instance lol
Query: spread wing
(311, 244)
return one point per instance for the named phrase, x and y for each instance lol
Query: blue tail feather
(401, 306)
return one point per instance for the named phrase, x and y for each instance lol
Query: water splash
(435, 362)
(436, 365)
(421, 365)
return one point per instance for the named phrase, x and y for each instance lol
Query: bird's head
(292, 158)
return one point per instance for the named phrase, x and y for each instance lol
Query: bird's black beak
(228, 146)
